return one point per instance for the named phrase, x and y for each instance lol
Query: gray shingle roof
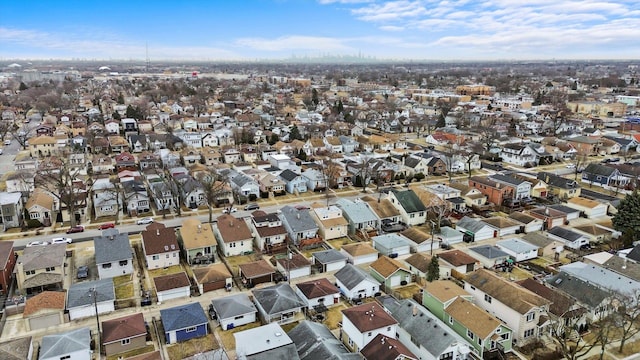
(602, 277)
(184, 316)
(297, 220)
(316, 342)
(288, 175)
(112, 246)
(424, 328)
(516, 245)
(471, 224)
(565, 233)
(350, 276)
(232, 306)
(507, 179)
(580, 290)
(80, 294)
(489, 251)
(277, 298)
(356, 212)
(329, 256)
(56, 346)
(41, 257)
(599, 169)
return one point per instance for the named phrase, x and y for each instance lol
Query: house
(41, 268)
(270, 233)
(124, 334)
(7, 264)
(45, 310)
(392, 245)
(293, 183)
(418, 265)
(594, 299)
(568, 237)
(331, 223)
(85, 297)
(320, 292)
(502, 226)
(17, 349)
(383, 208)
(11, 210)
(235, 310)
(106, 198)
(278, 303)
(521, 188)
(43, 146)
(520, 309)
(359, 253)
(475, 229)
(385, 348)
(495, 192)
(315, 341)
(234, 235)
(184, 322)
(602, 175)
(198, 242)
(603, 277)
(361, 218)
(114, 255)
(136, 197)
(550, 217)
(490, 256)
(256, 272)
(300, 226)
(528, 223)
(518, 249)
(439, 294)
(570, 213)
(564, 309)
(73, 345)
(389, 272)
(459, 261)
(590, 208)
(355, 283)
(329, 260)
(160, 246)
(362, 323)
(172, 286)
(265, 342)
(412, 210)
(41, 206)
(422, 333)
(316, 180)
(212, 277)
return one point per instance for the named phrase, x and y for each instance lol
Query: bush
(418, 176)
(33, 223)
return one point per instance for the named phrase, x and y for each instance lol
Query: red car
(75, 229)
(106, 226)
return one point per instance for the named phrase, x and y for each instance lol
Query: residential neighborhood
(309, 215)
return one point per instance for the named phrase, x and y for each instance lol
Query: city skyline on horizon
(275, 30)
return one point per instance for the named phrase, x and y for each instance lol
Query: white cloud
(391, 28)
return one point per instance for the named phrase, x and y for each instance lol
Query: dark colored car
(75, 229)
(106, 226)
(83, 272)
(252, 207)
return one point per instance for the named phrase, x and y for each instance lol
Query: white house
(529, 223)
(590, 208)
(114, 255)
(235, 310)
(518, 249)
(361, 324)
(569, 237)
(359, 253)
(502, 226)
(329, 260)
(318, 292)
(355, 283)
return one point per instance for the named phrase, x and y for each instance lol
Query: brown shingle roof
(384, 209)
(359, 249)
(196, 235)
(47, 300)
(500, 222)
(256, 269)
(478, 321)
(386, 266)
(444, 290)
(123, 328)
(457, 258)
(416, 235)
(232, 229)
(297, 261)
(317, 288)
(369, 316)
(211, 273)
(173, 281)
(560, 303)
(386, 348)
(508, 293)
(419, 261)
(159, 240)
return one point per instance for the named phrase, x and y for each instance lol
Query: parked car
(83, 272)
(37, 243)
(144, 221)
(75, 229)
(226, 210)
(571, 166)
(252, 207)
(301, 207)
(7, 142)
(106, 226)
(61, 240)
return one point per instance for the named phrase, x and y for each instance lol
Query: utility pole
(432, 226)
(289, 256)
(95, 305)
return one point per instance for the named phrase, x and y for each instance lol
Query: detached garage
(45, 310)
(590, 208)
(392, 245)
(81, 298)
(212, 277)
(174, 286)
(474, 228)
(519, 250)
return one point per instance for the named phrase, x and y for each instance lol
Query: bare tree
(176, 188)
(21, 134)
(570, 342)
(581, 161)
(626, 318)
(214, 186)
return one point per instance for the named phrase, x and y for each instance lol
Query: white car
(7, 142)
(226, 210)
(144, 221)
(37, 243)
(61, 240)
(571, 166)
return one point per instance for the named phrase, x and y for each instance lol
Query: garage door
(215, 285)
(44, 321)
(394, 281)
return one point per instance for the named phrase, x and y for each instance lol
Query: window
(106, 266)
(155, 257)
(124, 262)
(65, 357)
(504, 336)
(167, 256)
(369, 334)
(487, 298)
(479, 341)
(529, 333)
(450, 320)
(238, 317)
(447, 356)
(531, 316)
(125, 342)
(30, 272)
(388, 328)
(50, 269)
(472, 287)
(470, 335)
(191, 329)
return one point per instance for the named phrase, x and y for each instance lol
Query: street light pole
(95, 305)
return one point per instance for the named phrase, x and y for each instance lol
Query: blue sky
(276, 29)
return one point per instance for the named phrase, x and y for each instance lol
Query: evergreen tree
(274, 139)
(302, 155)
(314, 97)
(295, 134)
(433, 272)
(627, 220)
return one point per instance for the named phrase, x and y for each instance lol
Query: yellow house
(43, 146)
(331, 223)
